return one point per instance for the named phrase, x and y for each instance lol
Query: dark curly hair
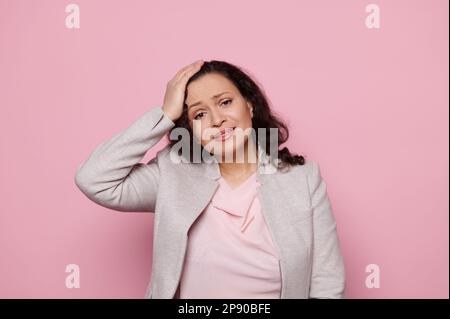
(263, 116)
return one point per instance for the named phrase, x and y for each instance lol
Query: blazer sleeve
(112, 176)
(328, 274)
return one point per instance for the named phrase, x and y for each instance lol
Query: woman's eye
(197, 116)
(226, 102)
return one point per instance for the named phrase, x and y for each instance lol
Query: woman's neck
(238, 169)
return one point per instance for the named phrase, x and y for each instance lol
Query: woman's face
(215, 104)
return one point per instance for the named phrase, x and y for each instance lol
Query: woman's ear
(251, 108)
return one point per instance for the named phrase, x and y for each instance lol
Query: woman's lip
(225, 136)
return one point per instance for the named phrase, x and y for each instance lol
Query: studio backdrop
(362, 85)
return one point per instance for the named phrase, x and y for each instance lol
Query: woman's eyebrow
(212, 98)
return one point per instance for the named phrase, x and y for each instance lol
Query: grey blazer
(294, 204)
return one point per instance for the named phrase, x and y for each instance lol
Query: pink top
(230, 252)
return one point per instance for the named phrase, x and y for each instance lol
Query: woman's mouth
(224, 134)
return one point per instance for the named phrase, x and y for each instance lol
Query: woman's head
(220, 96)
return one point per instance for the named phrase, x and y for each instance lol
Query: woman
(241, 222)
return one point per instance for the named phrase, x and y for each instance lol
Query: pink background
(370, 105)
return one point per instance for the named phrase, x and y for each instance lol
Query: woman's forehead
(208, 86)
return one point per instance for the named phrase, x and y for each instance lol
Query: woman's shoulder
(309, 168)
(309, 174)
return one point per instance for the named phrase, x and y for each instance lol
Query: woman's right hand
(176, 87)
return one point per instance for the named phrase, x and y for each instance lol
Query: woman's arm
(328, 275)
(112, 176)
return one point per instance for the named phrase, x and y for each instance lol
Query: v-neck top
(230, 251)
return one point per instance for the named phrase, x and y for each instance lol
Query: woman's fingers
(175, 90)
(183, 69)
(184, 78)
(189, 70)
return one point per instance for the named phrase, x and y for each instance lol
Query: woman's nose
(216, 117)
